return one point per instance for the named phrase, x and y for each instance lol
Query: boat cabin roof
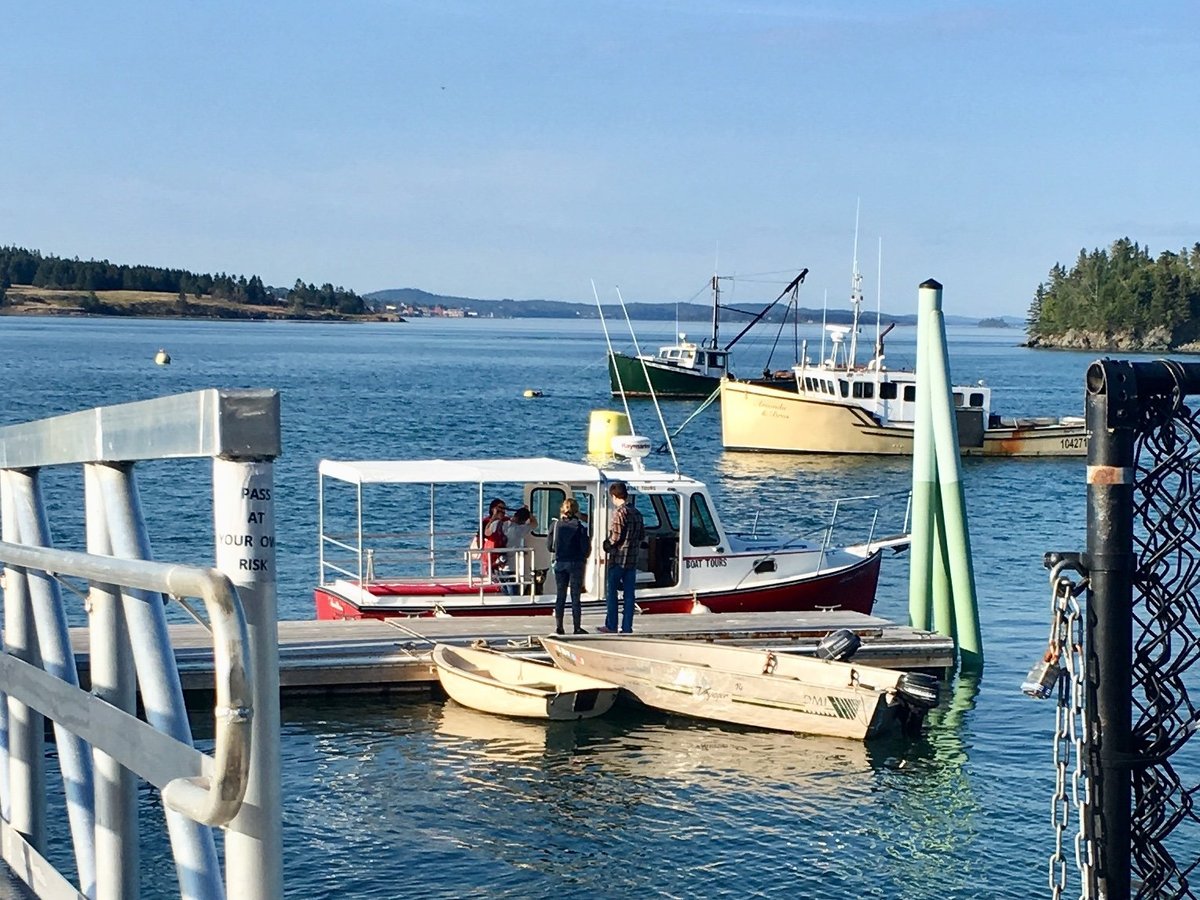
(479, 471)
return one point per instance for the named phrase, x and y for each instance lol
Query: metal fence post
(158, 676)
(1112, 398)
(25, 773)
(244, 526)
(54, 645)
(113, 680)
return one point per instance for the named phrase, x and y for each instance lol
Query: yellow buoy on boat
(162, 357)
(604, 425)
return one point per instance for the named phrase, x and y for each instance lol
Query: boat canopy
(465, 471)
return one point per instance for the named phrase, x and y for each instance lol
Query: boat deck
(344, 656)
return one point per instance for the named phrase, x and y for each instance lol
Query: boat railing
(385, 557)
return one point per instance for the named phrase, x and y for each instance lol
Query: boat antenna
(824, 324)
(649, 384)
(612, 361)
(878, 309)
(856, 297)
(716, 295)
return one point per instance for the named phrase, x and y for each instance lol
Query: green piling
(956, 558)
(924, 489)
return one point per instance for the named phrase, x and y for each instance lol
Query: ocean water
(388, 798)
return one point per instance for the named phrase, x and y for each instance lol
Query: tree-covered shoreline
(1122, 298)
(19, 266)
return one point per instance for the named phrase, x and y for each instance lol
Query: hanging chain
(1064, 662)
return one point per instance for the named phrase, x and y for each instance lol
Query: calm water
(394, 798)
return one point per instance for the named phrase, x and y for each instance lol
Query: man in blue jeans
(625, 534)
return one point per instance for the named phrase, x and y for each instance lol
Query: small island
(1120, 299)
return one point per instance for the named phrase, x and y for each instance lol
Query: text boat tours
(759, 688)
(842, 408)
(415, 549)
(495, 682)
(686, 370)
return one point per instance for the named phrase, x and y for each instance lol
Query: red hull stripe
(851, 589)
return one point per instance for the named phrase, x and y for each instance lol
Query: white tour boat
(417, 551)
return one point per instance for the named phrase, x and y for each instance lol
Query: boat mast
(716, 295)
(856, 296)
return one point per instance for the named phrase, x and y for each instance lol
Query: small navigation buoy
(533, 392)
(162, 357)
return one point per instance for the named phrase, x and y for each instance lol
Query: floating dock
(357, 656)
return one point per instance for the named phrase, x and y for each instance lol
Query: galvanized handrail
(209, 800)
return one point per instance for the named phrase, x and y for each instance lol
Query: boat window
(544, 504)
(887, 390)
(808, 383)
(702, 530)
(869, 390)
(669, 504)
(845, 386)
(977, 399)
(645, 505)
(910, 393)
(857, 389)
(959, 400)
(716, 360)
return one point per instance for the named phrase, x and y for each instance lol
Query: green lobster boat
(687, 370)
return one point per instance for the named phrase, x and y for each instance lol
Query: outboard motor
(919, 689)
(918, 693)
(839, 645)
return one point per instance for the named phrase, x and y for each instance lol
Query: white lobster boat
(495, 682)
(758, 688)
(840, 407)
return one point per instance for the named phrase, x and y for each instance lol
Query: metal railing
(102, 746)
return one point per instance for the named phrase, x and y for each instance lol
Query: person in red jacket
(493, 538)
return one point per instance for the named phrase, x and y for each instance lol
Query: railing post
(244, 526)
(58, 659)
(1112, 394)
(114, 681)
(158, 676)
(25, 773)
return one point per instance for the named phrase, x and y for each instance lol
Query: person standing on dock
(625, 533)
(570, 544)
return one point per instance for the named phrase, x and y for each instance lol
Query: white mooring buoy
(162, 357)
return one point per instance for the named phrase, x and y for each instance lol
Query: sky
(529, 149)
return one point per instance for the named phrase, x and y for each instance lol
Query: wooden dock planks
(377, 656)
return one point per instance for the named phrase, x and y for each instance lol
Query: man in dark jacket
(626, 531)
(570, 544)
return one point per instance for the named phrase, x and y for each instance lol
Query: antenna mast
(716, 295)
(856, 297)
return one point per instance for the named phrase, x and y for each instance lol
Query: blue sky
(522, 149)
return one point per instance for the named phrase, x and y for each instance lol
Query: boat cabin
(703, 360)
(425, 534)
(890, 397)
